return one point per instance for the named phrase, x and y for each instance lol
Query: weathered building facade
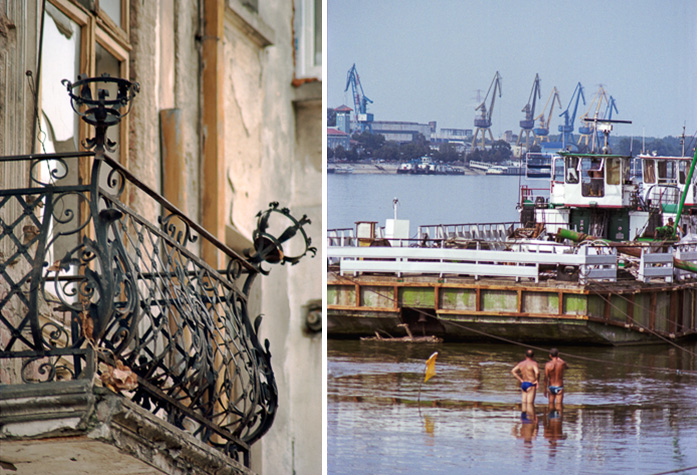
(221, 116)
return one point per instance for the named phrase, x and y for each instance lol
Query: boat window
(666, 171)
(626, 172)
(559, 169)
(592, 177)
(649, 171)
(571, 169)
(613, 171)
(682, 172)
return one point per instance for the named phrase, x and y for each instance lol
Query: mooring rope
(525, 345)
(677, 470)
(634, 322)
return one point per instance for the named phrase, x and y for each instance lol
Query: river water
(627, 410)
(623, 412)
(423, 199)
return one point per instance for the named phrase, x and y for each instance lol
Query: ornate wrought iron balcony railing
(91, 288)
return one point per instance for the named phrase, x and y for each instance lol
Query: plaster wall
(273, 149)
(243, 128)
(17, 58)
(272, 153)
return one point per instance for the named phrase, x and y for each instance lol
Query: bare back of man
(527, 372)
(554, 380)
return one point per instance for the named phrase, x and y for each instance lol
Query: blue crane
(527, 124)
(542, 130)
(483, 122)
(610, 106)
(364, 120)
(567, 129)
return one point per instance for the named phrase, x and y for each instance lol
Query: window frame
(98, 28)
(305, 34)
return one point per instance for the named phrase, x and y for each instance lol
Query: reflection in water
(429, 425)
(526, 429)
(553, 430)
(616, 418)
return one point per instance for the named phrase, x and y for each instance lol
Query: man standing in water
(554, 381)
(527, 372)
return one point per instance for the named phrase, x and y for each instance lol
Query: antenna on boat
(395, 202)
(605, 127)
(643, 140)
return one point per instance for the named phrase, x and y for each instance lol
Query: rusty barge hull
(465, 309)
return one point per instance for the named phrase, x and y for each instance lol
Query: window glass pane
(60, 59)
(682, 175)
(318, 33)
(592, 177)
(666, 173)
(613, 171)
(571, 169)
(108, 63)
(59, 124)
(559, 169)
(649, 172)
(113, 9)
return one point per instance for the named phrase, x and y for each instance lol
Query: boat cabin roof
(662, 157)
(592, 155)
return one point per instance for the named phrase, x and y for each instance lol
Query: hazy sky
(421, 61)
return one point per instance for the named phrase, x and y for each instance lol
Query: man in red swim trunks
(527, 372)
(554, 381)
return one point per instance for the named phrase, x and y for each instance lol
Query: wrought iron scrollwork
(268, 247)
(88, 275)
(98, 109)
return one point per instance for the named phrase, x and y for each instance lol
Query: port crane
(607, 115)
(610, 107)
(364, 120)
(567, 129)
(483, 122)
(587, 129)
(542, 130)
(527, 124)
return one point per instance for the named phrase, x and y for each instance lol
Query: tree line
(369, 147)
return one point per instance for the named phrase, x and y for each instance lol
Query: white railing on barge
(593, 265)
(341, 237)
(687, 253)
(484, 231)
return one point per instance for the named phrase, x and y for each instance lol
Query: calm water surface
(423, 199)
(623, 412)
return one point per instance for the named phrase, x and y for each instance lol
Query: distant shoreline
(384, 169)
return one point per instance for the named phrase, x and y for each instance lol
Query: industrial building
(403, 132)
(341, 134)
(338, 138)
(459, 138)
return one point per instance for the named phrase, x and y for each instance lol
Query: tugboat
(406, 167)
(595, 194)
(598, 257)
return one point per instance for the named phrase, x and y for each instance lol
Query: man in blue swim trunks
(554, 381)
(527, 372)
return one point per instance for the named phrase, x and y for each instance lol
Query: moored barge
(598, 258)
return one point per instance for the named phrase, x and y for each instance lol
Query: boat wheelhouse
(593, 260)
(596, 194)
